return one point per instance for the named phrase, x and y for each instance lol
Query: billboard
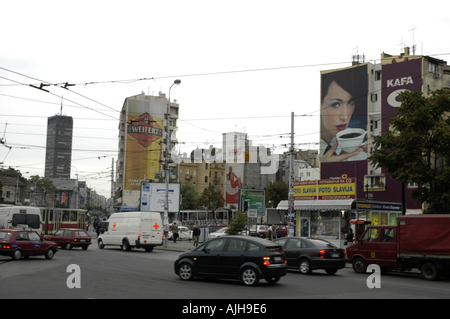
(153, 197)
(343, 122)
(398, 77)
(252, 199)
(234, 148)
(143, 148)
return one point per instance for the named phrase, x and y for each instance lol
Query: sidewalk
(180, 246)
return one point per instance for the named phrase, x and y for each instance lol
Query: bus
(54, 218)
(218, 217)
(17, 217)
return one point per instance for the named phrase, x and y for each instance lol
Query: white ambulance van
(21, 217)
(133, 230)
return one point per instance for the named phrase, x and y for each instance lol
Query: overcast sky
(244, 66)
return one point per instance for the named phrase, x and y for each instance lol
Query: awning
(337, 204)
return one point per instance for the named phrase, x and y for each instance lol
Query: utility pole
(291, 194)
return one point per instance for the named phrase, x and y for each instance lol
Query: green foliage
(189, 196)
(237, 224)
(417, 147)
(211, 198)
(276, 192)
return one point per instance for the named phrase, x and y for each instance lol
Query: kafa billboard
(398, 77)
(144, 132)
(343, 122)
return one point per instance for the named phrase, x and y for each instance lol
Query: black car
(308, 254)
(236, 257)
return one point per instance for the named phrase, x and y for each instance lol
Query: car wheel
(49, 254)
(126, 245)
(273, 280)
(84, 247)
(17, 254)
(249, 277)
(148, 249)
(305, 267)
(100, 244)
(68, 246)
(359, 265)
(186, 272)
(429, 271)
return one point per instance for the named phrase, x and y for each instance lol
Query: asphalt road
(114, 274)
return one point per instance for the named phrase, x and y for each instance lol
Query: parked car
(18, 243)
(255, 229)
(280, 230)
(308, 254)
(184, 233)
(221, 232)
(68, 238)
(247, 259)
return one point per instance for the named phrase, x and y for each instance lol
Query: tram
(54, 218)
(218, 217)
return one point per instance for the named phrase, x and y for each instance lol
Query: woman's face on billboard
(337, 110)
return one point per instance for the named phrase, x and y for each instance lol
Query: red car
(18, 243)
(68, 238)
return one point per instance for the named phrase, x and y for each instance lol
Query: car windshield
(4, 235)
(322, 244)
(221, 230)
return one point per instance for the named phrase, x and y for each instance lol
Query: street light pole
(166, 201)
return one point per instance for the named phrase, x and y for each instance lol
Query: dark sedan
(248, 259)
(308, 254)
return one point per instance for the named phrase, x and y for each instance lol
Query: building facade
(58, 154)
(356, 104)
(142, 144)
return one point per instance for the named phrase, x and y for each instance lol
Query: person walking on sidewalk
(196, 235)
(174, 230)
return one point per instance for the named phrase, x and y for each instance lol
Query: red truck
(417, 241)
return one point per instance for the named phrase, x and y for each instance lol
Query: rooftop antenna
(413, 46)
(61, 104)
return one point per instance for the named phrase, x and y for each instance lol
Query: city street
(114, 274)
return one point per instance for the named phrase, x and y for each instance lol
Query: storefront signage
(325, 189)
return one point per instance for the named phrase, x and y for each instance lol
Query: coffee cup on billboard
(351, 139)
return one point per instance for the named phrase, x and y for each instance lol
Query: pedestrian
(174, 230)
(349, 236)
(270, 231)
(196, 235)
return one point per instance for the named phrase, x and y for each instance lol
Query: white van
(21, 217)
(133, 230)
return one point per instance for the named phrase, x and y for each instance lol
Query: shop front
(330, 219)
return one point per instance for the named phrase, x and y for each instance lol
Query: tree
(211, 198)
(237, 224)
(189, 196)
(417, 147)
(276, 192)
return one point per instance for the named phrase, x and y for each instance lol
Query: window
(237, 245)
(22, 236)
(216, 245)
(371, 235)
(253, 247)
(34, 236)
(432, 68)
(377, 75)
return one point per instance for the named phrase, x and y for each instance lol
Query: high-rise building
(142, 137)
(58, 155)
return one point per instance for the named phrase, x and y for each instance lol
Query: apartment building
(142, 144)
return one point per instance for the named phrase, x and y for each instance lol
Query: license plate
(335, 255)
(277, 259)
(82, 239)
